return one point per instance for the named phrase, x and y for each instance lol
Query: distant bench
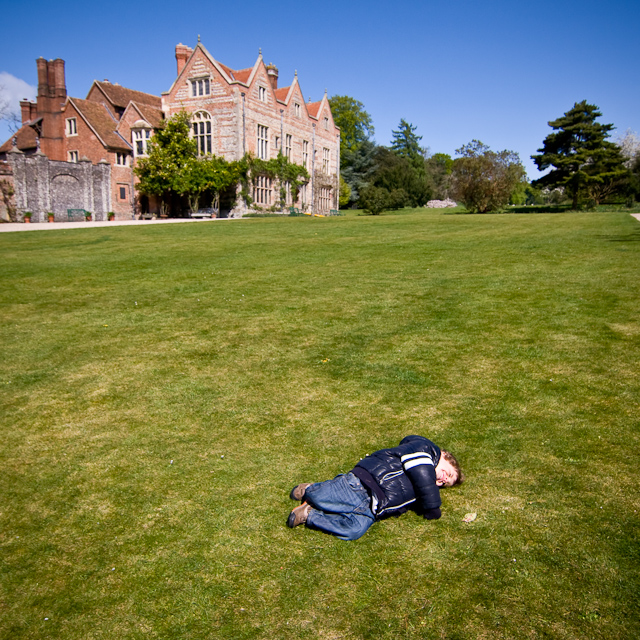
(76, 215)
(203, 213)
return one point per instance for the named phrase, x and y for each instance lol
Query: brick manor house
(79, 154)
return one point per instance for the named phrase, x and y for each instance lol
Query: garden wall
(42, 185)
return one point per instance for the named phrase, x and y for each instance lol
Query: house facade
(232, 112)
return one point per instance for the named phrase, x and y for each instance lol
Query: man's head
(448, 472)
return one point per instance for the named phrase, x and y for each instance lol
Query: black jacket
(403, 477)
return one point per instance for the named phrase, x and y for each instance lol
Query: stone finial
(295, 74)
(14, 141)
(37, 143)
(198, 37)
(260, 51)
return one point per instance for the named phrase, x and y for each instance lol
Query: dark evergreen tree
(406, 144)
(584, 162)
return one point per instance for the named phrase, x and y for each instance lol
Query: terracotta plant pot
(27, 220)
(51, 219)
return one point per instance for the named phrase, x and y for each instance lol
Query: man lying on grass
(385, 483)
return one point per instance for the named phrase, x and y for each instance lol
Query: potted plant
(111, 216)
(27, 216)
(87, 216)
(51, 216)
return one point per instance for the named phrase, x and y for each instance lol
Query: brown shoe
(297, 493)
(299, 515)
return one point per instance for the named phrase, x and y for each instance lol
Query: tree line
(584, 167)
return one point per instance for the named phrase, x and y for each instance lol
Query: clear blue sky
(496, 71)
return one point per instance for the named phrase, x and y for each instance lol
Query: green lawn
(164, 387)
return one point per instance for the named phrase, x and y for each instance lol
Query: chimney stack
(182, 55)
(43, 77)
(272, 72)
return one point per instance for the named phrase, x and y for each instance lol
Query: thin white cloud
(14, 89)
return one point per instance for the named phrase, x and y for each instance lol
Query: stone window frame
(200, 86)
(71, 127)
(262, 190)
(262, 139)
(140, 139)
(305, 154)
(123, 188)
(288, 145)
(326, 158)
(297, 110)
(73, 156)
(122, 159)
(201, 131)
(262, 93)
(326, 123)
(325, 198)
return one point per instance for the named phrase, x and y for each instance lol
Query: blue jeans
(341, 507)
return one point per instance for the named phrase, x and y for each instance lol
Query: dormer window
(200, 87)
(71, 127)
(262, 94)
(121, 159)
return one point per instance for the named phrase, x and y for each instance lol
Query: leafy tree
(208, 174)
(483, 180)
(345, 193)
(375, 200)
(629, 147)
(356, 147)
(171, 156)
(438, 168)
(584, 162)
(406, 144)
(355, 123)
(395, 172)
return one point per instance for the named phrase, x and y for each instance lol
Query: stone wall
(42, 185)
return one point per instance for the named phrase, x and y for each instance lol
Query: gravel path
(40, 226)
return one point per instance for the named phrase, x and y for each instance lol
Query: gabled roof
(101, 122)
(121, 96)
(26, 139)
(152, 115)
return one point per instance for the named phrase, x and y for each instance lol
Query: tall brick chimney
(52, 93)
(272, 72)
(182, 55)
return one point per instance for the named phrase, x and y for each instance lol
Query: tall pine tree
(584, 162)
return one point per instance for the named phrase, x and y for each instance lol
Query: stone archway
(66, 193)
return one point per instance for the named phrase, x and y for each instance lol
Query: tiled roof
(313, 108)
(26, 140)
(282, 93)
(228, 70)
(121, 96)
(152, 115)
(243, 75)
(101, 121)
